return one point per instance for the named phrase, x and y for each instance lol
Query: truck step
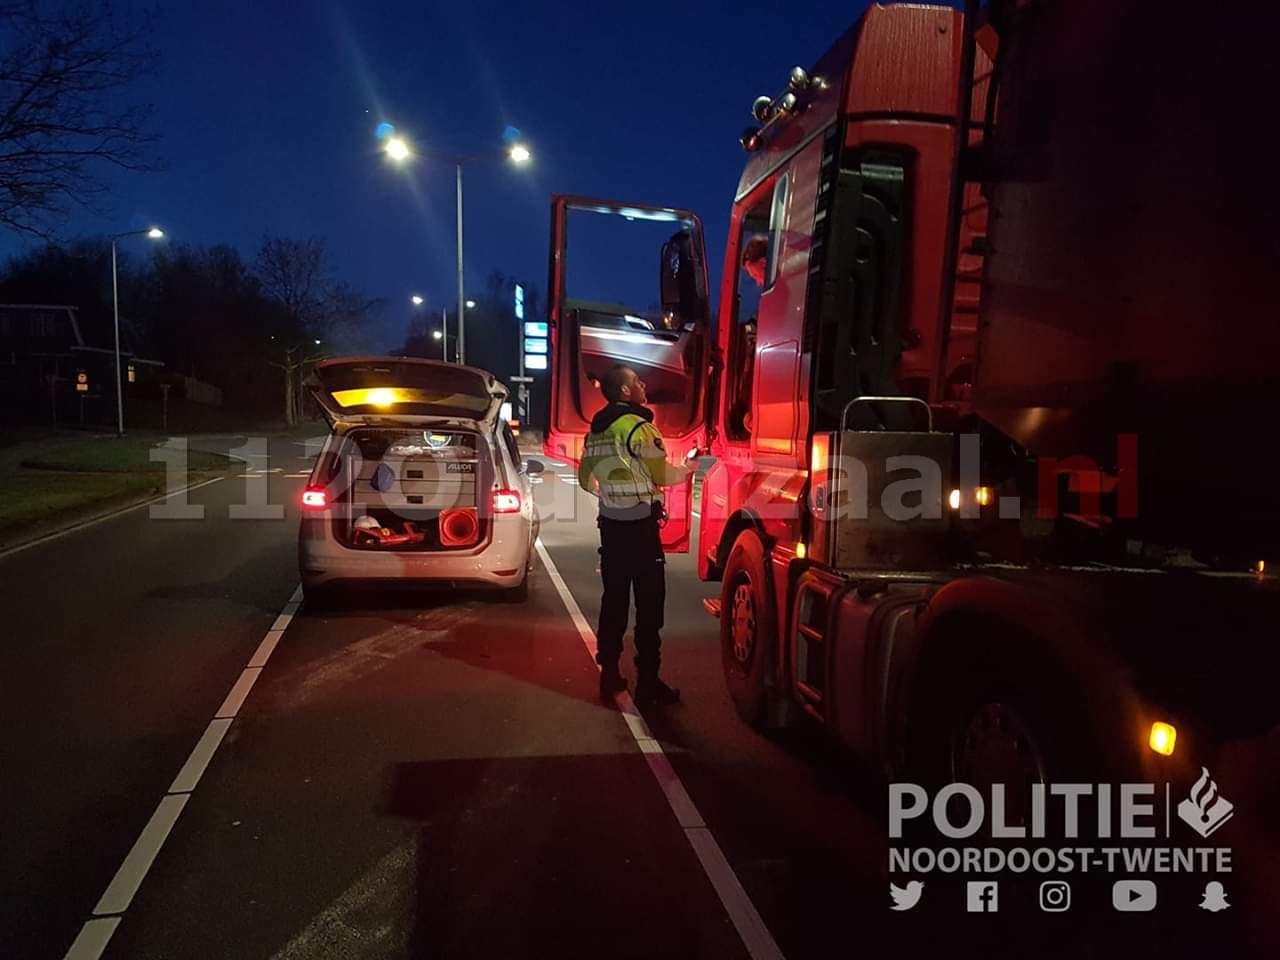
(712, 605)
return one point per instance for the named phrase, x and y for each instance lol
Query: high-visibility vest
(626, 463)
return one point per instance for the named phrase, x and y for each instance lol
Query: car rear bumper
(503, 562)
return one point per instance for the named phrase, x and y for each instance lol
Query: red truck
(992, 497)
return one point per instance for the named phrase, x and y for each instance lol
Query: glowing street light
(398, 149)
(155, 233)
(437, 335)
(417, 300)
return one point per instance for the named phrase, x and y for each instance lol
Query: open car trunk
(405, 489)
(404, 389)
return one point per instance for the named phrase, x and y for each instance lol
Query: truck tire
(748, 629)
(995, 708)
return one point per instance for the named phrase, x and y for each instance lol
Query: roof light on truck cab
(506, 501)
(1162, 739)
(983, 496)
(801, 550)
(953, 500)
(314, 498)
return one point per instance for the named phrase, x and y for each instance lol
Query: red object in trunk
(458, 527)
(383, 537)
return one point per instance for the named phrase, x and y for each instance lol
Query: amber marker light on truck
(983, 496)
(1162, 739)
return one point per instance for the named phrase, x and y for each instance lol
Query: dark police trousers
(631, 558)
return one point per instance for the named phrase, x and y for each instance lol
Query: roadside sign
(521, 379)
(82, 382)
(519, 302)
(535, 345)
(535, 361)
(534, 328)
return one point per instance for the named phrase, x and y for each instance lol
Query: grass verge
(58, 480)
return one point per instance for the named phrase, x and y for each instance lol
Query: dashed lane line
(96, 932)
(756, 937)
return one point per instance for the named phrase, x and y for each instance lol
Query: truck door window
(755, 251)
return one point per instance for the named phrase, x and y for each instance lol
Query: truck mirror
(682, 299)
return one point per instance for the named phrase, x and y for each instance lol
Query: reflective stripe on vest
(623, 479)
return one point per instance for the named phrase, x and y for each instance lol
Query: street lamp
(155, 233)
(416, 300)
(398, 149)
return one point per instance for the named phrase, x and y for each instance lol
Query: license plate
(459, 468)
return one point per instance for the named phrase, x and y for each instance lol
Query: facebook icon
(982, 896)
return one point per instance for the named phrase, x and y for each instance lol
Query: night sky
(267, 113)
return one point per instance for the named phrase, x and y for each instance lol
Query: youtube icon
(1133, 896)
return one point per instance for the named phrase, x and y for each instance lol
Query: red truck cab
(971, 232)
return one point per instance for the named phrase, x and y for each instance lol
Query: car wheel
(317, 598)
(519, 593)
(748, 628)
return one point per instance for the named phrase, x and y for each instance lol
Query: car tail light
(458, 527)
(314, 498)
(506, 501)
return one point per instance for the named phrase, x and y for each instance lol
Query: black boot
(611, 681)
(650, 691)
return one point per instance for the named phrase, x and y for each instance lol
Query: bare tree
(320, 316)
(63, 119)
(292, 273)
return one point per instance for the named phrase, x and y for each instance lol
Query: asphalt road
(426, 775)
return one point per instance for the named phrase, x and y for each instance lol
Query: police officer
(625, 460)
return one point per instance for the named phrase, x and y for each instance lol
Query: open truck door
(605, 308)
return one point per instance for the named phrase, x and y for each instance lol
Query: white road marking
(267, 645)
(194, 768)
(119, 893)
(94, 521)
(354, 926)
(93, 938)
(755, 936)
(235, 698)
(96, 932)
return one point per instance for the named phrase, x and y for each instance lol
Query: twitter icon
(904, 898)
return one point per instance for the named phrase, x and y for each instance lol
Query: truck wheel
(748, 628)
(994, 711)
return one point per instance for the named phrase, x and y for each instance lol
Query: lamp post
(399, 151)
(155, 233)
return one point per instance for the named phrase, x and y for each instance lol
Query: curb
(53, 533)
